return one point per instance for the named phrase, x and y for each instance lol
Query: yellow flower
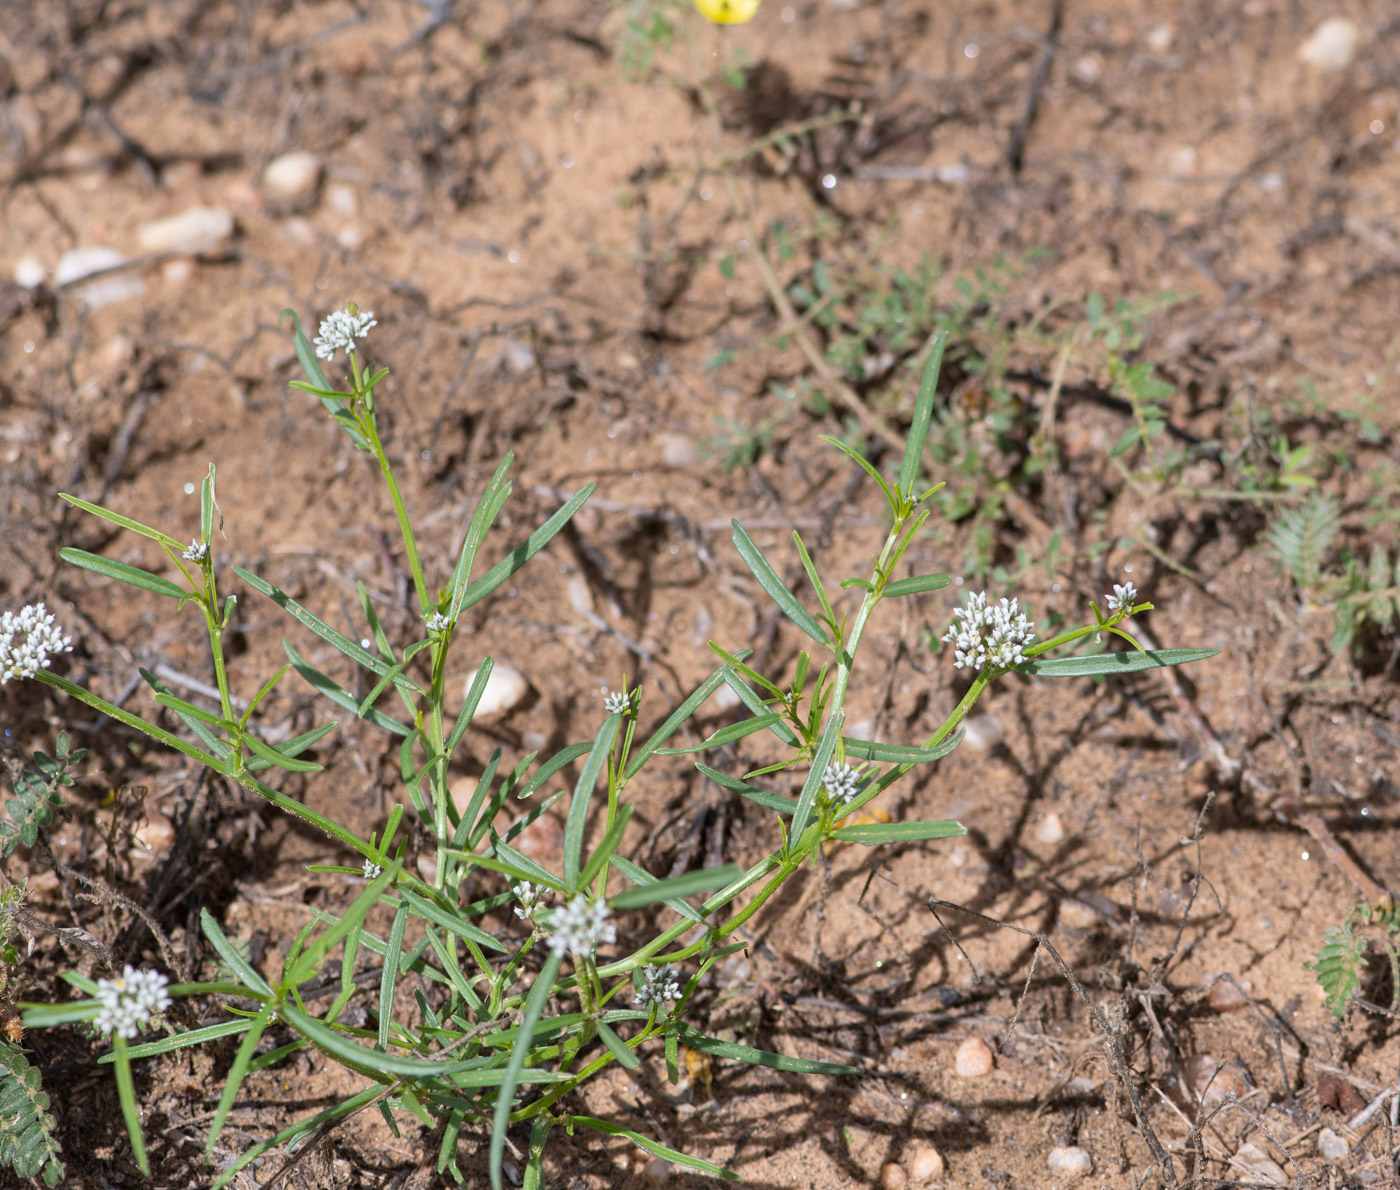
(727, 12)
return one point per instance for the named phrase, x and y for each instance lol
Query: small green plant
(487, 1014)
(1301, 537)
(37, 795)
(27, 1143)
(1341, 961)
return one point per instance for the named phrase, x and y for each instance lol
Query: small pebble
(1214, 1082)
(1330, 1146)
(1160, 38)
(293, 178)
(504, 690)
(77, 263)
(924, 1163)
(1224, 996)
(156, 834)
(177, 270)
(679, 450)
(519, 356)
(341, 198)
(1051, 830)
(893, 1177)
(1078, 916)
(656, 1170)
(351, 237)
(1069, 1161)
(974, 1059)
(1332, 46)
(1259, 1165)
(29, 272)
(199, 229)
(982, 733)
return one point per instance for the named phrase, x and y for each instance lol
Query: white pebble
(1330, 1146)
(974, 1059)
(1070, 1161)
(924, 1163)
(30, 272)
(340, 197)
(1051, 830)
(1160, 38)
(293, 177)
(679, 450)
(77, 263)
(1257, 1163)
(982, 733)
(893, 1177)
(199, 229)
(1332, 46)
(519, 356)
(504, 689)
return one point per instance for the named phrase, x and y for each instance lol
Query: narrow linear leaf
(341, 698)
(131, 575)
(763, 797)
(505, 1098)
(232, 959)
(181, 1040)
(917, 584)
(642, 877)
(617, 1047)
(238, 1072)
(865, 464)
(389, 976)
(126, 1092)
(683, 712)
(825, 749)
(124, 522)
(923, 413)
(727, 735)
(526, 550)
(897, 832)
(676, 886)
(577, 821)
(279, 759)
(296, 745)
(656, 1149)
(1112, 663)
(754, 1057)
(487, 509)
(317, 625)
(901, 753)
(768, 579)
(427, 910)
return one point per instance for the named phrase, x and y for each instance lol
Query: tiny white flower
(530, 896)
(994, 634)
(659, 984)
(130, 1000)
(438, 622)
(197, 552)
(340, 329)
(23, 658)
(841, 782)
(371, 869)
(1123, 598)
(580, 925)
(616, 703)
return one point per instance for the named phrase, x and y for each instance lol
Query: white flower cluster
(617, 704)
(530, 896)
(438, 622)
(341, 329)
(129, 1001)
(659, 984)
(24, 658)
(992, 634)
(197, 552)
(580, 925)
(1122, 598)
(841, 782)
(371, 869)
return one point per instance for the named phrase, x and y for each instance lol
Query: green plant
(37, 796)
(506, 1031)
(1341, 960)
(1301, 537)
(27, 1144)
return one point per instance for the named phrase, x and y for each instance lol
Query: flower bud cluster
(130, 1000)
(990, 634)
(659, 984)
(341, 329)
(580, 925)
(26, 640)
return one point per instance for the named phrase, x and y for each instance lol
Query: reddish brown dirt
(540, 238)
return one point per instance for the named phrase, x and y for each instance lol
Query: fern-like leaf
(1338, 967)
(27, 1143)
(1302, 535)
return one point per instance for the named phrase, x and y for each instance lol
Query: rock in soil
(974, 1059)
